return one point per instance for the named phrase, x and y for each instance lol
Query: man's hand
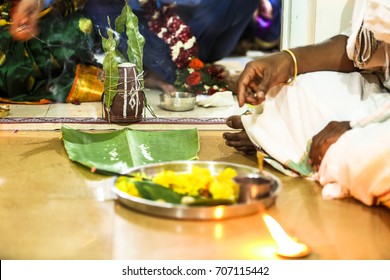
(262, 74)
(326, 137)
(25, 20)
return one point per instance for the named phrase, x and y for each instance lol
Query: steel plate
(246, 205)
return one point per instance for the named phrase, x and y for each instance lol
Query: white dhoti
(358, 164)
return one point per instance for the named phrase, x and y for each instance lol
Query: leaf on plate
(210, 202)
(153, 191)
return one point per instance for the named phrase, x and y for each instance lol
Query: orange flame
(287, 247)
(219, 212)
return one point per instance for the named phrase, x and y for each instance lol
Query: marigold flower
(200, 182)
(127, 185)
(196, 64)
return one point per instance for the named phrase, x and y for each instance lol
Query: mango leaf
(110, 67)
(128, 22)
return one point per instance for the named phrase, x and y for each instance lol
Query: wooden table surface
(53, 208)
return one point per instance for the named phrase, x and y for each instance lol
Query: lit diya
(287, 246)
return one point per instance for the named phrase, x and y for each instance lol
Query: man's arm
(330, 55)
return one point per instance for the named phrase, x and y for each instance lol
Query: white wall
(312, 21)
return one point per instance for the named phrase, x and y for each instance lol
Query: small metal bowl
(254, 187)
(178, 101)
(4, 111)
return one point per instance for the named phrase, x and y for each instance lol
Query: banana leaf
(118, 151)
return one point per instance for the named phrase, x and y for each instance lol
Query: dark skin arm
(262, 74)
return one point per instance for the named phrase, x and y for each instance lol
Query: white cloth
(358, 164)
(292, 115)
(218, 99)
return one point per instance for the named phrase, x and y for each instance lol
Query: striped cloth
(365, 47)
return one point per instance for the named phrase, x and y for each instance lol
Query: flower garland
(170, 27)
(192, 74)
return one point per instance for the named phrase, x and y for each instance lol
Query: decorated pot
(128, 103)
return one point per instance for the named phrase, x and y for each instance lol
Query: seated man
(331, 122)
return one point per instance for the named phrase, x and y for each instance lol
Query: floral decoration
(167, 25)
(201, 78)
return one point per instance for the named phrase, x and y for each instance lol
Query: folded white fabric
(358, 165)
(376, 19)
(218, 99)
(334, 190)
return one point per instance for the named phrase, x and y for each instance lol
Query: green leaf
(210, 202)
(128, 22)
(110, 66)
(118, 151)
(153, 191)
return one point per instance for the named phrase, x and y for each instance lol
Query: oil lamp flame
(287, 247)
(219, 212)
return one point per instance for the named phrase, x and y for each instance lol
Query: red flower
(214, 72)
(196, 64)
(194, 78)
(211, 91)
